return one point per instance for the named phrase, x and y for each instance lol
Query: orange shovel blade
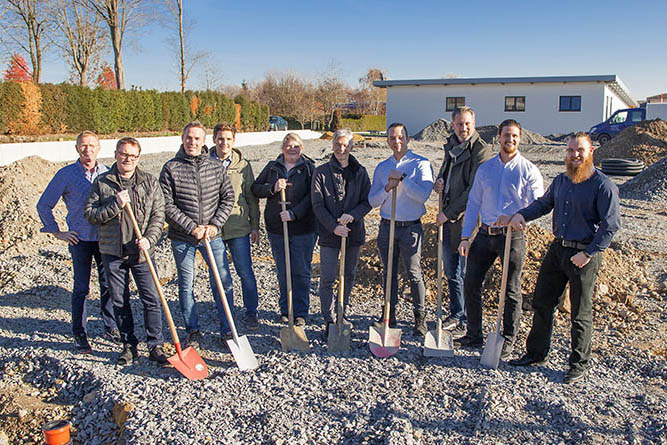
(190, 364)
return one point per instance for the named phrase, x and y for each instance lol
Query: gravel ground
(317, 397)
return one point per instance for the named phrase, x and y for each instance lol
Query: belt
(571, 244)
(402, 223)
(493, 231)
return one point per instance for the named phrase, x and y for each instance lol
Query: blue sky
(417, 39)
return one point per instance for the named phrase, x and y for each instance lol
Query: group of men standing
(204, 194)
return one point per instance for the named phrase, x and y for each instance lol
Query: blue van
(616, 123)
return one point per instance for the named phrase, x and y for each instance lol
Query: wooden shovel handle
(221, 290)
(288, 264)
(503, 281)
(439, 266)
(390, 261)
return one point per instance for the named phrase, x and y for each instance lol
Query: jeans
(239, 248)
(118, 271)
(184, 256)
(556, 271)
(454, 266)
(329, 269)
(301, 256)
(408, 247)
(83, 254)
(483, 252)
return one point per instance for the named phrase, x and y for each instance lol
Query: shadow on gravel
(44, 297)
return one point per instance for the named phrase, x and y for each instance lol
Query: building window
(455, 102)
(570, 103)
(515, 103)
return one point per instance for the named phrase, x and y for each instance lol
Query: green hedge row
(71, 108)
(366, 123)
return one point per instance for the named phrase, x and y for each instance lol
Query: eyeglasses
(127, 156)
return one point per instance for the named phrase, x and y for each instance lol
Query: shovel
(292, 338)
(439, 343)
(384, 341)
(339, 332)
(187, 362)
(239, 346)
(494, 342)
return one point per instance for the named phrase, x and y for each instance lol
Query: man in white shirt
(503, 185)
(412, 177)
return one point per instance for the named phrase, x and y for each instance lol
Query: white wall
(616, 103)
(64, 150)
(418, 106)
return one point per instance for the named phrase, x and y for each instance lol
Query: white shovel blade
(492, 349)
(242, 352)
(442, 347)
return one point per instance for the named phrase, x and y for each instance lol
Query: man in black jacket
(340, 201)
(198, 199)
(120, 249)
(465, 151)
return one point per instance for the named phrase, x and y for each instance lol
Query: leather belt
(493, 231)
(402, 223)
(572, 244)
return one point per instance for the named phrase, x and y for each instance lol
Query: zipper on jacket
(201, 217)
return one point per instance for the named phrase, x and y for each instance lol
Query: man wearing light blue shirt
(503, 185)
(412, 177)
(73, 183)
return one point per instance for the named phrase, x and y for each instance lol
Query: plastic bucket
(56, 432)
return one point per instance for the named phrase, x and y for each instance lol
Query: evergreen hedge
(367, 122)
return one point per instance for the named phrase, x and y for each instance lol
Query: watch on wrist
(403, 176)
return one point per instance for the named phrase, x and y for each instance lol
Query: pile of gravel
(437, 131)
(649, 185)
(646, 141)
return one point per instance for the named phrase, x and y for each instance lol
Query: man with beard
(465, 151)
(586, 216)
(503, 185)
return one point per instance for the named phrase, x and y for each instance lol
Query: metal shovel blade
(378, 346)
(492, 349)
(242, 352)
(189, 363)
(339, 337)
(439, 347)
(294, 339)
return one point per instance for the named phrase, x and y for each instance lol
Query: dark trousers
(483, 252)
(556, 271)
(118, 271)
(83, 254)
(407, 247)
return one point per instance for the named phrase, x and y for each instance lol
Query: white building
(558, 104)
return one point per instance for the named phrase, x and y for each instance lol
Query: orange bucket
(56, 432)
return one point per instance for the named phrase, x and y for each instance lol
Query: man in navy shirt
(586, 216)
(73, 183)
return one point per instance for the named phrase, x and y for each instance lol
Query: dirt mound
(646, 141)
(327, 136)
(437, 131)
(21, 185)
(651, 184)
(490, 134)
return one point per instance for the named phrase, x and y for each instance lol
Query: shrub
(366, 123)
(11, 98)
(54, 108)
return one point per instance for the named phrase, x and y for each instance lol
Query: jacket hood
(236, 156)
(352, 161)
(302, 159)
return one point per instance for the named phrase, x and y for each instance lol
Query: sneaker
(506, 351)
(113, 336)
(574, 375)
(528, 360)
(299, 321)
(459, 331)
(194, 338)
(450, 323)
(251, 322)
(82, 345)
(128, 355)
(380, 322)
(420, 325)
(157, 355)
(468, 342)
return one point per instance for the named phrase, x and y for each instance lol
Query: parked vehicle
(622, 119)
(277, 123)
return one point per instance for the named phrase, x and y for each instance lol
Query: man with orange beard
(586, 217)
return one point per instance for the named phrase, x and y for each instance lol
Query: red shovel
(187, 362)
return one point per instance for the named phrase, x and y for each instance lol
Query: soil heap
(490, 134)
(646, 141)
(437, 131)
(649, 185)
(21, 185)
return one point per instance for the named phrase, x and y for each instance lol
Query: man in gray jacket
(465, 151)
(120, 249)
(198, 199)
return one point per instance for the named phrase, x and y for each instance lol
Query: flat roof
(612, 80)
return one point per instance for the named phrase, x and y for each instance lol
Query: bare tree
(331, 91)
(80, 37)
(120, 16)
(287, 94)
(187, 59)
(25, 25)
(375, 97)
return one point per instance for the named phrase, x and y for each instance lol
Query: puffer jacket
(332, 196)
(297, 195)
(102, 209)
(196, 192)
(244, 216)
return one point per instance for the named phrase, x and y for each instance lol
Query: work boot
(113, 336)
(82, 345)
(194, 338)
(156, 354)
(251, 322)
(128, 355)
(420, 324)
